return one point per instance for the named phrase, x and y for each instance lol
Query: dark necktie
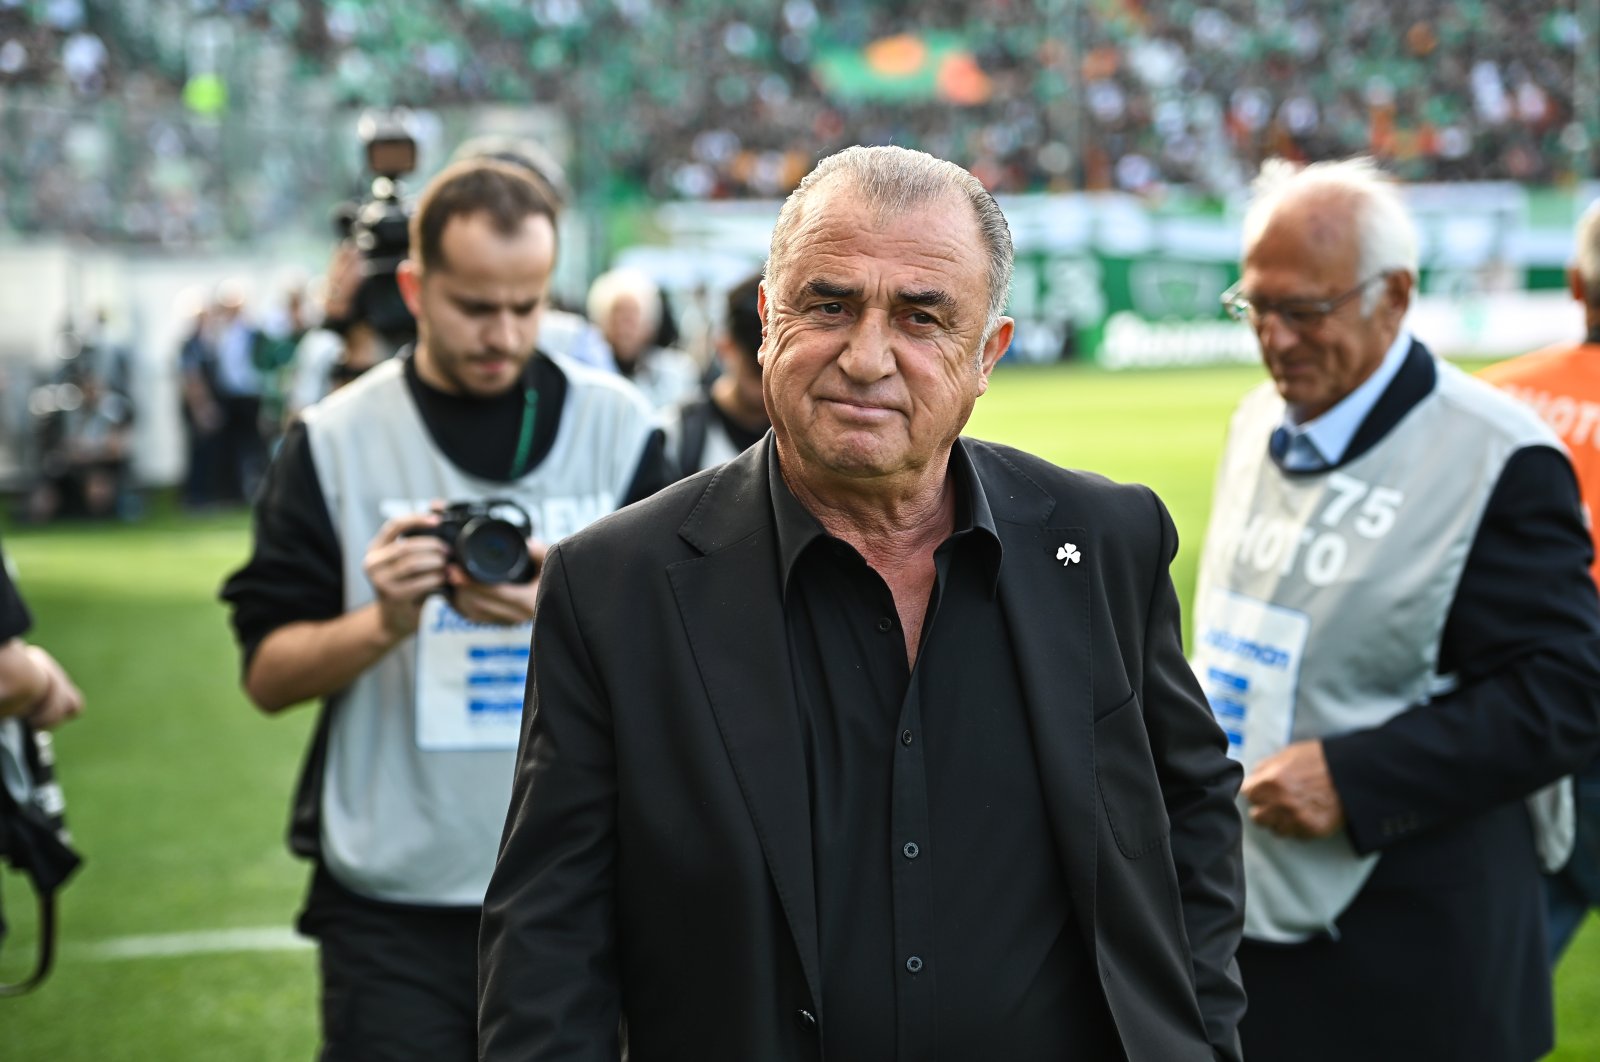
(1294, 452)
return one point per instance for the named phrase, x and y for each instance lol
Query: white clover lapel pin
(1068, 554)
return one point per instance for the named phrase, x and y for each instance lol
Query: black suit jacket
(656, 866)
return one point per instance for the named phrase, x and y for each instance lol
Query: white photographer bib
(416, 781)
(1322, 599)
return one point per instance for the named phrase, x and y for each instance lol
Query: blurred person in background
(729, 415)
(85, 449)
(349, 598)
(1562, 384)
(626, 306)
(198, 397)
(325, 361)
(1395, 624)
(283, 328)
(335, 347)
(342, 345)
(238, 386)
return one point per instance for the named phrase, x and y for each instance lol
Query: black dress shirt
(945, 926)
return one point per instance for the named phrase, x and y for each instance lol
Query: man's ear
(1576, 286)
(408, 278)
(761, 311)
(994, 349)
(1398, 288)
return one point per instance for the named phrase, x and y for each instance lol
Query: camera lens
(494, 551)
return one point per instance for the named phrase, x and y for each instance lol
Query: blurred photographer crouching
(357, 592)
(85, 437)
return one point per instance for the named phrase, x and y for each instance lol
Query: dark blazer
(1442, 955)
(656, 866)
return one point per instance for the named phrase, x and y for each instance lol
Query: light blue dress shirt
(1321, 443)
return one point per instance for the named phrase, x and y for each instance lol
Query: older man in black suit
(1395, 622)
(875, 743)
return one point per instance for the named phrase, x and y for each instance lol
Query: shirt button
(885, 624)
(905, 737)
(914, 964)
(806, 1020)
(911, 850)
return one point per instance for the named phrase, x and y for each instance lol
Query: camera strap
(34, 840)
(530, 414)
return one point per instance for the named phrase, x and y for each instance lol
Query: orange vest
(1562, 384)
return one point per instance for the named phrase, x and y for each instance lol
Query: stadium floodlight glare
(1302, 315)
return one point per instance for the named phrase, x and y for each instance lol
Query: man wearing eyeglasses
(1396, 627)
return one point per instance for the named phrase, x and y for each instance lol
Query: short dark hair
(743, 321)
(520, 151)
(507, 193)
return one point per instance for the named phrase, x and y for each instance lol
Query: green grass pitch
(178, 790)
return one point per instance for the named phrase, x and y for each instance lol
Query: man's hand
(343, 282)
(1291, 793)
(503, 604)
(62, 700)
(404, 570)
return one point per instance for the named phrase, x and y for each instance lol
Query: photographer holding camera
(410, 616)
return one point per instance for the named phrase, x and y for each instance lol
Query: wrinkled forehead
(1312, 234)
(880, 206)
(840, 222)
(1325, 221)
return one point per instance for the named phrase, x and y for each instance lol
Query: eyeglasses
(1302, 315)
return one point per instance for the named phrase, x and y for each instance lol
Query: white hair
(1387, 236)
(615, 284)
(889, 181)
(1586, 252)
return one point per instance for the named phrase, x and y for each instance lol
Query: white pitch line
(203, 942)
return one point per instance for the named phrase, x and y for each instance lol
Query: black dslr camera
(489, 539)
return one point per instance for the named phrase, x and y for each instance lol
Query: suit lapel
(1046, 601)
(730, 601)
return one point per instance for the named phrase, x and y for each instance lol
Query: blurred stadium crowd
(177, 121)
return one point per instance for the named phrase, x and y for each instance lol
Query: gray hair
(1387, 236)
(1586, 252)
(615, 284)
(890, 181)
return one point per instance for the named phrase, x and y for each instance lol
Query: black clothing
(926, 806)
(1371, 1004)
(697, 419)
(659, 861)
(480, 435)
(15, 619)
(743, 438)
(296, 571)
(397, 980)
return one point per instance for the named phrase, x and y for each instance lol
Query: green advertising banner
(1127, 311)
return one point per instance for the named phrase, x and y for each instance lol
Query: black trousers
(1441, 958)
(399, 983)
